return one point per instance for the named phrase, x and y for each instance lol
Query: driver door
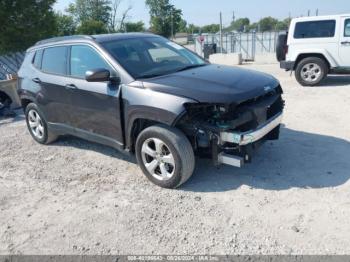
(96, 105)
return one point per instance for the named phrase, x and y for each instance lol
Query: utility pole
(172, 25)
(221, 38)
(233, 16)
(308, 12)
(317, 12)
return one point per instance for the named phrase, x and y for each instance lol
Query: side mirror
(98, 75)
(115, 79)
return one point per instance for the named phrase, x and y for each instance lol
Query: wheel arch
(4, 96)
(137, 126)
(144, 107)
(25, 102)
(318, 55)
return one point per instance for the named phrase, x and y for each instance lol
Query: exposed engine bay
(206, 125)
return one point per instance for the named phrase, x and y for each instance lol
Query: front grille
(275, 108)
(262, 108)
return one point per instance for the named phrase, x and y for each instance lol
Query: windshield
(152, 56)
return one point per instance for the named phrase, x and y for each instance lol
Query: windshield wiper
(148, 76)
(190, 67)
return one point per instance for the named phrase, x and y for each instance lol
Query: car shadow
(71, 141)
(297, 160)
(17, 117)
(336, 80)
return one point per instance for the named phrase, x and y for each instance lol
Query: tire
(175, 145)
(281, 47)
(306, 73)
(46, 136)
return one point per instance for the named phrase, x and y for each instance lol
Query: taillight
(286, 49)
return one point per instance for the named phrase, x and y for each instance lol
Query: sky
(202, 12)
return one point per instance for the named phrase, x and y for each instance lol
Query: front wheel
(311, 71)
(165, 156)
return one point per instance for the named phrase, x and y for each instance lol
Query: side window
(38, 58)
(55, 60)
(84, 58)
(347, 28)
(315, 29)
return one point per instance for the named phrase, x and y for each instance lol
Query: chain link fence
(248, 44)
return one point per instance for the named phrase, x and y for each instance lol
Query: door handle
(70, 86)
(36, 80)
(345, 43)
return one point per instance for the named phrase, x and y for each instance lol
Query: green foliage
(240, 25)
(283, 25)
(23, 23)
(92, 27)
(182, 26)
(135, 27)
(165, 18)
(268, 24)
(65, 25)
(193, 29)
(90, 10)
(213, 28)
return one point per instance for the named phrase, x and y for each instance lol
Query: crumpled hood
(214, 84)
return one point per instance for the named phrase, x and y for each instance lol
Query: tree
(65, 25)
(193, 29)
(116, 25)
(213, 28)
(240, 25)
(135, 27)
(182, 26)
(268, 24)
(90, 10)
(25, 22)
(165, 18)
(283, 25)
(92, 27)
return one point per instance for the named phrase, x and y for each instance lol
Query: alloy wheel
(158, 159)
(311, 72)
(36, 124)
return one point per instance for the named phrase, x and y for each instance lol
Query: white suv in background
(315, 47)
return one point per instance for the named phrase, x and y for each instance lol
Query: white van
(315, 47)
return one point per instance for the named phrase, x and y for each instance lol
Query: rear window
(347, 28)
(315, 29)
(55, 60)
(37, 59)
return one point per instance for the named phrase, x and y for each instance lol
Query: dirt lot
(75, 197)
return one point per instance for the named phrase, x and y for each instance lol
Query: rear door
(344, 48)
(96, 106)
(54, 98)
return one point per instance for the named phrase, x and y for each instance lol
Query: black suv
(146, 95)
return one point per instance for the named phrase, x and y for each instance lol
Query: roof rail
(63, 38)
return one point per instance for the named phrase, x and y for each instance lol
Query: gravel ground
(75, 197)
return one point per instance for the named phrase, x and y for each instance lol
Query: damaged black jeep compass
(149, 96)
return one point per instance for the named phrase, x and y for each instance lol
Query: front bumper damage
(245, 139)
(230, 134)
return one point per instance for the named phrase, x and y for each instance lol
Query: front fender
(141, 103)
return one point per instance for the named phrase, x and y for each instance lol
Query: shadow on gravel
(336, 80)
(70, 141)
(5, 120)
(297, 160)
